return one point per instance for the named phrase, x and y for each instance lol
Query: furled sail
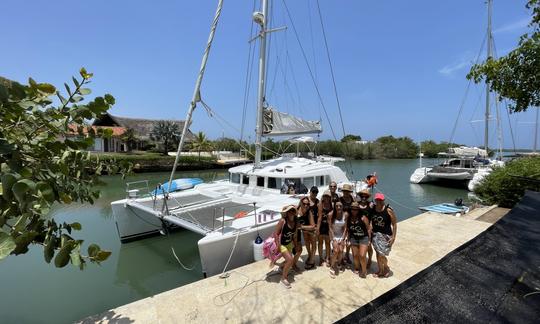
(277, 123)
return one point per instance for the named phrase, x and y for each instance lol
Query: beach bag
(270, 250)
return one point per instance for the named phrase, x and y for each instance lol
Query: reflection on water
(140, 269)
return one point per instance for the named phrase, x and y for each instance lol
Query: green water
(33, 291)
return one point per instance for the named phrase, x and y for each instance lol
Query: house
(114, 143)
(141, 127)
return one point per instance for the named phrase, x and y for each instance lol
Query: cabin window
(235, 177)
(308, 182)
(327, 179)
(468, 163)
(320, 181)
(260, 181)
(274, 183)
(245, 179)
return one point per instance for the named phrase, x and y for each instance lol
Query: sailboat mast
(196, 93)
(489, 44)
(262, 77)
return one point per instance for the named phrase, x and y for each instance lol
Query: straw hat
(285, 209)
(327, 193)
(347, 187)
(364, 192)
(355, 205)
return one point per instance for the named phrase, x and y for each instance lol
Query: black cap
(314, 189)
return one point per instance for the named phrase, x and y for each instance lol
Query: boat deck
(252, 293)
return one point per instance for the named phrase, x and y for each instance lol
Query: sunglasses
(364, 197)
(333, 186)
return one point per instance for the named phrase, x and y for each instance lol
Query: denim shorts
(362, 241)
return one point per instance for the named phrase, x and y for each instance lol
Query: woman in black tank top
(384, 224)
(312, 236)
(306, 226)
(366, 208)
(325, 207)
(285, 236)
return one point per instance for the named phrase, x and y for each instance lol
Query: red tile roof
(117, 131)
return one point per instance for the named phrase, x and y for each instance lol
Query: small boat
(448, 209)
(177, 185)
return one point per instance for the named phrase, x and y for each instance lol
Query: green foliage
(42, 163)
(130, 138)
(504, 187)
(431, 149)
(167, 132)
(516, 76)
(351, 138)
(201, 144)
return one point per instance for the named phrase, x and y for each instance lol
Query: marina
(252, 293)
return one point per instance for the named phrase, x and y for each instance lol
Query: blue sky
(400, 66)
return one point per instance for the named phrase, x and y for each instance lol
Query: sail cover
(277, 123)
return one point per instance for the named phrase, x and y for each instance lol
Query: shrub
(505, 186)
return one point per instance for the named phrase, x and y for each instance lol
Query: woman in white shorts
(337, 222)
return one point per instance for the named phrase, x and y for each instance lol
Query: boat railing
(134, 188)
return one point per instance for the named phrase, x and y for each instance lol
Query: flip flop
(285, 283)
(332, 274)
(376, 275)
(363, 275)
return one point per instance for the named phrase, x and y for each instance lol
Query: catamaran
(231, 214)
(466, 165)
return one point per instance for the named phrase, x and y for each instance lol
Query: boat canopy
(277, 123)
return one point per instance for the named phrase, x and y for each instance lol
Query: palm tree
(130, 138)
(201, 143)
(166, 132)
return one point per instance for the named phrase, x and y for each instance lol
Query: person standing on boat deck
(337, 221)
(384, 224)
(335, 196)
(366, 209)
(306, 226)
(285, 235)
(347, 199)
(314, 211)
(325, 207)
(359, 235)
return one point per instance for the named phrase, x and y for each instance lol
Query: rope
(466, 93)
(180, 262)
(223, 274)
(310, 70)
(247, 85)
(395, 201)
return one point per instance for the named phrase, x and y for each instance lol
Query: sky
(399, 66)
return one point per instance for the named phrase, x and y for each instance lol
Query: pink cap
(379, 196)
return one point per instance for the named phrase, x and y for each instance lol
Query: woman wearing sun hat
(384, 226)
(359, 236)
(366, 208)
(285, 235)
(325, 208)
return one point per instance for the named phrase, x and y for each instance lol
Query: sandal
(376, 275)
(363, 275)
(309, 266)
(285, 283)
(332, 274)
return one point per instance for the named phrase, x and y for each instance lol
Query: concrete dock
(252, 293)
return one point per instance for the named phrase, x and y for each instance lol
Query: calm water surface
(33, 291)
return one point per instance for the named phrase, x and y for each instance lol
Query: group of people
(333, 226)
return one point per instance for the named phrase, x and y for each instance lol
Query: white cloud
(451, 68)
(466, 59)
(516, 25)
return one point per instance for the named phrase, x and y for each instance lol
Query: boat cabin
(281, 173)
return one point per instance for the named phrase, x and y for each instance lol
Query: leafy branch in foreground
(43, 160)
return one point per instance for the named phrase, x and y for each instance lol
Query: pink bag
(270, 250)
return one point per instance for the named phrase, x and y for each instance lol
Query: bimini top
(286, 167)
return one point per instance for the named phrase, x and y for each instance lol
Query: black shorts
(324, 229)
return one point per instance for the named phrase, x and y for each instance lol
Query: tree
(130, 138)
(516, 76)
(351, 138)
(41, 165)
(201, 143)
(166, 132)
